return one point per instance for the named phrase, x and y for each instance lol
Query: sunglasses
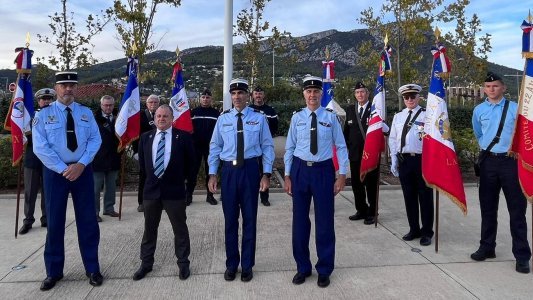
(407, 97)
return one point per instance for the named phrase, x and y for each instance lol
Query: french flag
(179, 102)
(328, 75)
(20, 113)
(440, 167)
(128, 124)
(375, 141)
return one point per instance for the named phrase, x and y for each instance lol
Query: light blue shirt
(257, 139)
(329, 134)
(486, 120)
(50, 136)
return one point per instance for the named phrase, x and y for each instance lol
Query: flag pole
(18, 199)
(437, 204)
(122, 163)
(376, 214)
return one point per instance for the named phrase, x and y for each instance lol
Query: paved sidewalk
(371, 263)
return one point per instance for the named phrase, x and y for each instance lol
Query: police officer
(357, 118)
(33, 172)
(309, 172)
(240, 141)
(66, 139)
(258, 102)
(405, 143)
(106, 163)
(147, 124)
(499, 171)
(204, 119)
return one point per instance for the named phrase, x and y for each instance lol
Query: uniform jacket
(271, 115)
(107, 158)
(171, 186)
(352, 134)
(204, 120)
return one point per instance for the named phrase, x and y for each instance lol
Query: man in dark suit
(166, 157)
(147, 124)
(357, 117)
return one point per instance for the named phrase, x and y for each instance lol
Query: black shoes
(185, 272)
(44, 224)
(369, 220)
(299, 278)
(481, 255)
(98, 218)
(112, 213)
(141, 273)
(357, 216)
(247, 276)
(323, 281)
(25, 228)
(211, 200)
(425, 241)
(522, 266)
(140, 208)
(188, 200)
(265, 202)
(50, 282)
(95, 279)
(229, 275)
(411, 236)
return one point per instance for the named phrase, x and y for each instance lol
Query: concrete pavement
(371, 263)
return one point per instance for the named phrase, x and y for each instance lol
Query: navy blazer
(171, 186)
(352, 134)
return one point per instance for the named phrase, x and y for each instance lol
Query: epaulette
(225, 112)
(330, 110)
(258, 111)
(297, 111)
(423, 108)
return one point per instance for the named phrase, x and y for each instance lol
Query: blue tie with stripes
(160, 157)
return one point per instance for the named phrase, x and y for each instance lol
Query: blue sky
(200, 23)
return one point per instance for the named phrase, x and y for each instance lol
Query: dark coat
(204, 120)
(147, 124)
(107, 158)
(171, 186)
(352, 134)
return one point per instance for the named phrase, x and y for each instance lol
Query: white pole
(273, 67)
(228, 53)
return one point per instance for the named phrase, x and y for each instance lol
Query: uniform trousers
(57, 191)
(202, 152)
(417, 195)
(108, 181)
(364, 190)
(263, 195)
(240, 189)
(315, 182)
(175, 209)
(497, 173)
(33, 181)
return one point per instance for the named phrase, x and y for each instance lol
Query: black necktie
(405, 129)
(360, 113)
(314, 139)
(240, 141)
(109, 123)
(72, 143)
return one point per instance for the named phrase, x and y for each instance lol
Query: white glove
(394, 166)
(136, 156)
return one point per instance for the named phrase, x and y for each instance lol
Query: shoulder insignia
(423, 109)
(225, 112)
(258, 111)
(330, 110)
(297, 111)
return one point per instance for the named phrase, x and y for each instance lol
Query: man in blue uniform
(258, 102)
(204, 119)
(310, 173)
(33, 172)
(106, 163)
(66, 139)
(499, 171)
(240, 141)
(405, 143)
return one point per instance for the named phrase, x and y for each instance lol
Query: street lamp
(517, 82)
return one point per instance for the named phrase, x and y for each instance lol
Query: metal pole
(19, 188)
(228, 53)
(273, 67)
(437, 221)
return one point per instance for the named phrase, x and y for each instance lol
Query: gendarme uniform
(50, 145)
(409, 164)
(240, 183)
(313, 176)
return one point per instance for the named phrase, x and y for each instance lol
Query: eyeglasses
(407, 97)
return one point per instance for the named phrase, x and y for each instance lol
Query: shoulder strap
(496, 139)
(363, 133)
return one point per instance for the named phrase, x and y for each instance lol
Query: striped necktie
(159, 165)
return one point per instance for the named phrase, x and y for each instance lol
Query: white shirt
(414, 137)
(168, 145)
(363, 107)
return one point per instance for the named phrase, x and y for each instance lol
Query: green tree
(75, 49)
(134, 27)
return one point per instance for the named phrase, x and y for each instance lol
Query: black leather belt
(233, 163)
(410, 154)
(498, 154)
(313, 163)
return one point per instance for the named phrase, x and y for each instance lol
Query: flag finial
(328, 55)
(177, 51)
(386, 40)
(530, 17)
(437, 33)
(134, 48)
(27, 39)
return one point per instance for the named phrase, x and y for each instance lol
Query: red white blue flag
(179, 102)
(18, 119)
(440, 167)
(128, 124)
(375, 141)
(527, 37)
(327, 101)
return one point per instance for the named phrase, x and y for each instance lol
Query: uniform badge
(419, 126)
(35, 121)
(51, 119)
(443, 125)
(350, 121)
(300, 124)
(151, 123)
(324, 124)
(227, 124)
(177, 136)
(85, 118)
(251, 123)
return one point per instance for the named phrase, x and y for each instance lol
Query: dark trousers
(364, 190)
(33, 181)
(416, 195)
(152, 216)
(57, 190)
(202, 152)
(107, 180)
(315, 182)
(499, 173)
(263, 195)
(240, 188)
(142, 179)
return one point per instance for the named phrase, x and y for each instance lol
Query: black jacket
(271, 115)
(107, 158)
(147, 124)
(352, 134)
(204, 120)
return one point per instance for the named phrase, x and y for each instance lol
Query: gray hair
(106, 97)
(153, 96)
(166, 106)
